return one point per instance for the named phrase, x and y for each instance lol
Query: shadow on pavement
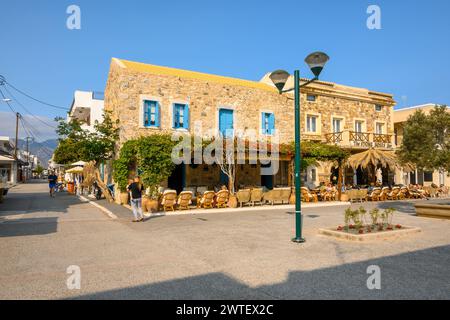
(401, 206)
(16, 212)
(413, 275)
(27, 227)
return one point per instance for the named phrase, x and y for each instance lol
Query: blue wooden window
(226, 124)
(151, 113)
(180, 116)
(268, 123)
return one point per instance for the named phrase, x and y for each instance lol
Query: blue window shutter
(174, 115)
(263, 122)
(177, 116)
(271, 123)
(186, 117)
(157, 114)
(146, 114)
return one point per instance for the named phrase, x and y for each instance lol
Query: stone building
(148, 99)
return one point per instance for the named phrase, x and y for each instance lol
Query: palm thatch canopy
(374, 157)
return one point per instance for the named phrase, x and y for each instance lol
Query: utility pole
(17, 135)
(28, 157)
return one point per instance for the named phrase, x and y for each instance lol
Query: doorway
(177, 181)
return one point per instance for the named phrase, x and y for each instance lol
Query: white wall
(84, 99)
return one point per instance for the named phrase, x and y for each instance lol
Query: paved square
(238, 255)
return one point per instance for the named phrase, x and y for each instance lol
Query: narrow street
(206, 256)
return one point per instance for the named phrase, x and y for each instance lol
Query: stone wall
(126, 89)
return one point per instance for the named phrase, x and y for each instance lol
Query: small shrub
(363, 221)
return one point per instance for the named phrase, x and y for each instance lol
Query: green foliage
(39, 170)
(125, 163)
(359, 218)
(316, 151)
(388, 215)
(426, 139)
(154, 158)
(76, 144)
(69, 150)
(375, 215)
(152, 155)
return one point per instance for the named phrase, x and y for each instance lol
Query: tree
(150, 156)
(39, 170)
(227, 163)
(426, 140)
(77, 144)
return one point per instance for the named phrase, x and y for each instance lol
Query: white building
(87, 107)
(8, 165)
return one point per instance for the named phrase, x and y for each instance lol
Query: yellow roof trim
(149, 68)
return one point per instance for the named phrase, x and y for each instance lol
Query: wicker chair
(169, 200)
(328, 195)
(272, 196)
(222, 198)
(307, 196)
(384, 194)
(256, 196)
(404, 194)
(243, 196)
(207, 200)
(285, 195)
(394, 194)
(184, 200)
(374, 195)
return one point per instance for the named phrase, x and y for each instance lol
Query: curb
(103, 209)
(233, 210)
(406, 230)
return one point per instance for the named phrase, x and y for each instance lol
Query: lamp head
(316, 62)
(279, 79)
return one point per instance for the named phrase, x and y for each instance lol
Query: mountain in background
(43, 150)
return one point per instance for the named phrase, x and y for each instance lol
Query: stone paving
(220, 255)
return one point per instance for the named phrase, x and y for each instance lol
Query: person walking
(135, 190)
(52, 179)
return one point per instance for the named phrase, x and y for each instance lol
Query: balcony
(360, 140)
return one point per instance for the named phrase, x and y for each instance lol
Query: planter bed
(354, 234)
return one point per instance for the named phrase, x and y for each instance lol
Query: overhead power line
(26, 127)
(28, 111)
(29, 132)
(6, 100)
(3, 81)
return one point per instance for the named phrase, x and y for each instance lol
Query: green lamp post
(316, 61)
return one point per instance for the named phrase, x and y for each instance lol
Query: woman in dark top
(135, 190)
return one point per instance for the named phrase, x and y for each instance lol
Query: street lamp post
(316, 61)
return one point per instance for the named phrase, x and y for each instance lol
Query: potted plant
(152, 199)
(124, 197)
(232, 201)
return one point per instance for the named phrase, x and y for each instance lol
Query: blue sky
(408, 57)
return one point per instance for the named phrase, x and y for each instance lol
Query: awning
(75, 170)
(79, 163)
(7, 159)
